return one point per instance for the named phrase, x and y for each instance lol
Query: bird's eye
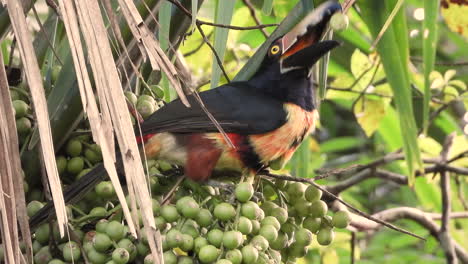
(274, 50)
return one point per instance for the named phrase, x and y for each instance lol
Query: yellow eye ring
(274, 50)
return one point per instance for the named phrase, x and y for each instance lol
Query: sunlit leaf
(341, 144)
(431, 8)
(393, 49)
(429, 146)
(224, 11)
(458, 84)
(454, 13)
(448, 75)
(267, 7)
(369, 113)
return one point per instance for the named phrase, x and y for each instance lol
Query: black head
(285, 69)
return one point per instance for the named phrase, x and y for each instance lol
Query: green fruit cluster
(275, 222)
(22, 110)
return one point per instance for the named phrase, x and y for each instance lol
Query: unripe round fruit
(204, 217)
(215, 237)
(185, 260)
(312, 194)
(270, 220)
(105, 190)
(260, 243)
(318, 208)
(187, 243)
(244, 191)
(101, 242)
(120, 256)
(223, 261)
(244, 225)
(131, 97)
(56, 261)
(341, 219)
(198, 243)
(75, 165)
(296, 190)
(297, 251)
(224, 212)
(96, 257)
(208, 254)
(74, 148)
(145, 97)
(43, 256)
(42, 234)
(303, 237)
(281, 242)
(234, 255)
(21, 108)
(250, 210)
(255, 227)
(191, 209)
(93, 153)
(169, 212)
(145, 108)
(98, 212)
(33, 207)
(232, 239)
(269, 232)
(71, 251)
(129, 246)
(101, 226)
(312, 223)
(325, 236)
(169, 257)
(23, 125)
(249, 254)
(268, 207)
(280, 214)
(339, 21)
(115, 230)
(174, 238)
(61, 164)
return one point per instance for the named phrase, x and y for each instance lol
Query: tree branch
(424, 219)
(444, 235)
(254, 16)
(201, 22)
(334, 197)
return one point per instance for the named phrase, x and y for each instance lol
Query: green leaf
(267, 7)
(393, 49)
(340, 144)
(163, 35)
(293, 17)
(224, 11)
(369, 113)
(431, 8)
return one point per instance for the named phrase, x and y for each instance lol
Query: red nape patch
(202, 156)
(144, 138)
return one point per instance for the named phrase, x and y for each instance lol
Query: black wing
(237, 107)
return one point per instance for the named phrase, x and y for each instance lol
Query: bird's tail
(73, 193)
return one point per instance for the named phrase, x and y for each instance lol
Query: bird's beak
(302, 47)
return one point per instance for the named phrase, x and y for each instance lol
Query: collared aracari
(266, 118)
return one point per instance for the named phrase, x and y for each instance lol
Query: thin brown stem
(254, 16)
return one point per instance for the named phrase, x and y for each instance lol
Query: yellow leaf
(454, 13)
(460, 145)
(429, 146)
(330, 256)
(369, 113)
(449, 74)
(458, 84)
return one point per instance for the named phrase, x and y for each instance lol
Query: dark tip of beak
(307, 57)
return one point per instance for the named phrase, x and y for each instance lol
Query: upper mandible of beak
(310, 30)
